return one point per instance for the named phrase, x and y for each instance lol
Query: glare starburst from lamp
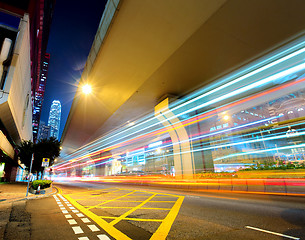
(86, 89)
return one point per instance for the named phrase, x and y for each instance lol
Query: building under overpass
(145, 51)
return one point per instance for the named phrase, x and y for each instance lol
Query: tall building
(39, 95)
(54, 118)
(44, 131)
(24, 31)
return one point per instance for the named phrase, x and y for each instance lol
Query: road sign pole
(27, 189)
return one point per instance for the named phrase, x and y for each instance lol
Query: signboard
(45, 162)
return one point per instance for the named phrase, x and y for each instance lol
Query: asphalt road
(107, 211)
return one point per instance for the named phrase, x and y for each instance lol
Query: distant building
(39, 95)
(54, 118)
(44, 131)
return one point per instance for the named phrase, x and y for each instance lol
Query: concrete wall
(18, 83)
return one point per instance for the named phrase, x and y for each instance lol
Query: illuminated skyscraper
(39, 94)
(44, 131)
(54, 118)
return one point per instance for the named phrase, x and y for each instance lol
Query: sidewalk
(10, 192)
(14, 219)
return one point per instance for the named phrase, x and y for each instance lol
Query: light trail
(238, 79)
(238, 90)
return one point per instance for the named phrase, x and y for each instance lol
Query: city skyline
(69, 54)
(54, 119)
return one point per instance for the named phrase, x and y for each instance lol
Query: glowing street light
(226, 117)
(86, 89)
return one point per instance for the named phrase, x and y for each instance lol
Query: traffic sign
(45, 162)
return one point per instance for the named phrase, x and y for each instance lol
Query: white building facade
(15, 95)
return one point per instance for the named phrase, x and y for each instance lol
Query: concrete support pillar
(182, 148)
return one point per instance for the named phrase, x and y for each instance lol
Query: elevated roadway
(144, 50)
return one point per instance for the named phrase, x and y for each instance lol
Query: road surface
(108, 211)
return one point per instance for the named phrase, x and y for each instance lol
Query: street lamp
(226, 117)
(86, 89)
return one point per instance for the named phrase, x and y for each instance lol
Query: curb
(33, 197)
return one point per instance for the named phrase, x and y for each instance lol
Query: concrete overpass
(146, 49)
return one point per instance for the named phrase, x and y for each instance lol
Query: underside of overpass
(146, 49)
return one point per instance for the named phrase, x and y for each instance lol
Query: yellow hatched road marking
(131, 210)
(160, 234)
(145, 208)
(163, 201)
(112, 200)
(166, 209)
(126, 201)
(102, 223)
(167, 194)
(134, 219)
(95, 195)
(113, 207)
(86, 192)
(168, 221)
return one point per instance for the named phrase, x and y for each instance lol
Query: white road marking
(69, 204)
(75, 211)
(72, 222)
(274, 233)
(83, 238)
(62, 208)
(68, 216)
(64, 211)
(103, 237)
(93, 228)
(77, 230)
(85, 220)
(60, 205)
(80, 215)
(72, 207)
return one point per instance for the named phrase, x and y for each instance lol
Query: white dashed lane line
(77, 229)
(274, 233)
(103, 237)
(93, 228)
(83, 238)
(85, 220)
(72, 222)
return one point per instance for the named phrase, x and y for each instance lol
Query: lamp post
(27, 189)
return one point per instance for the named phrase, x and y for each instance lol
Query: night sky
(72, 32)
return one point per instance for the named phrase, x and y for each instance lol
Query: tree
(44, 148)
(25, 151)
